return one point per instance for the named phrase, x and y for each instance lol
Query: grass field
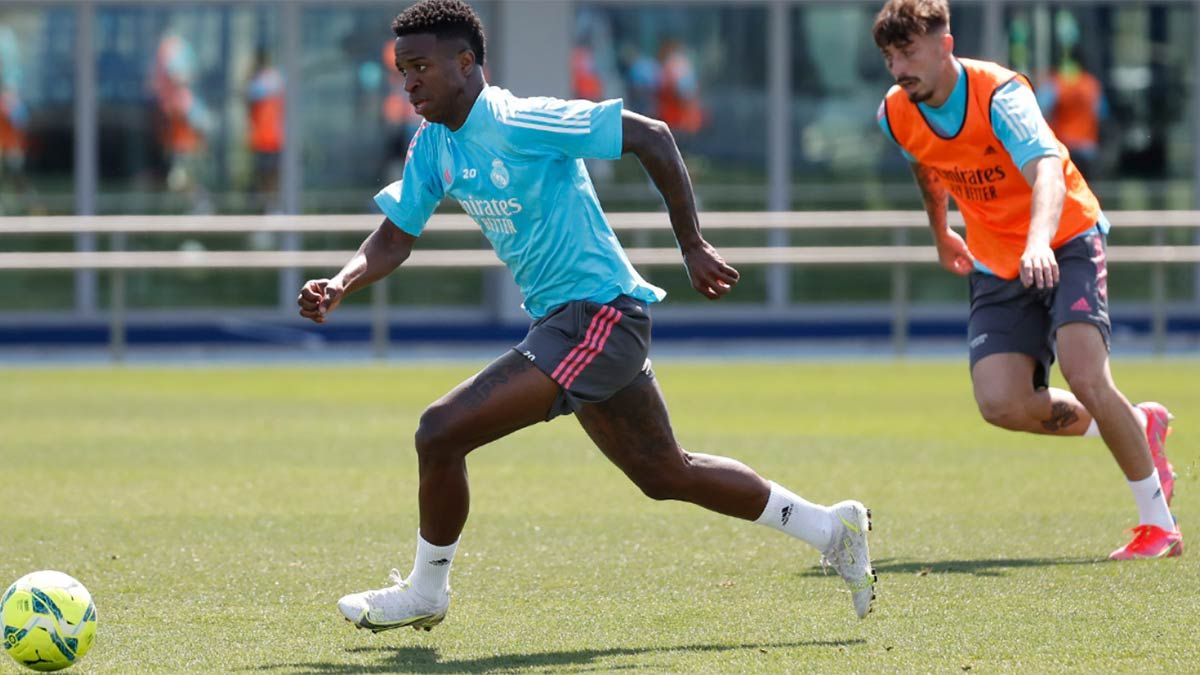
(217, 514)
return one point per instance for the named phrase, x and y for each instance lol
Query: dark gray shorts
(591, 350)
(1007, 317)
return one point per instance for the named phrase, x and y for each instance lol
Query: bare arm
(952, 250)
(380, 254)
(652, 143)
(934, 196)
(1038, 264)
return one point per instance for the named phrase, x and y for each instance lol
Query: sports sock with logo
(430, 576)
(791, 514)
(1151, 502)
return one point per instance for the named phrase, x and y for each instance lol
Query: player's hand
(711, 276)
(953, 253)
(318, 298)
(1039, 267)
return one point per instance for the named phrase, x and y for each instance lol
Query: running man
(1035, 254)
(516, 166)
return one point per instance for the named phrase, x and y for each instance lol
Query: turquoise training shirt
(516, 167)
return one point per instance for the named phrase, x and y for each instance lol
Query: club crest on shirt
(499, 174)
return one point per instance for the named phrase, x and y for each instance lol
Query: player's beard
(919, 95)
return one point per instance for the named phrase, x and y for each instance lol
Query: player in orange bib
(1034, 252)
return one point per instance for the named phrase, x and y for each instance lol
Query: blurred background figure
(678, 103)
(678, 90)
(14, 123)
(642, 74)
(400, 121)
(265, 101)
(183, 119)
(587, 83)
(1073, 101)
(585, 79)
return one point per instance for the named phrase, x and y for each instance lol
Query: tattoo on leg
(481, 389)
(1062, 415)
(635, 420)
(643, 418)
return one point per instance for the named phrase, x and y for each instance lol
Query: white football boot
(393, 607)
(848, 553)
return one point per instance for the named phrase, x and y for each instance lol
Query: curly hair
(901, 20)
(443, 18)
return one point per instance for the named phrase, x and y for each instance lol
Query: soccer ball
(49, 620)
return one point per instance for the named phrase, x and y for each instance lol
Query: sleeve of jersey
(1017, 121)
(881, 118)
(575, 128)
(409, 202)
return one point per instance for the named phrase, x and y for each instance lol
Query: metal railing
(898, 256)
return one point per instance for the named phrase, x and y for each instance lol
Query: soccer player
(516, 166)
(1035, 254)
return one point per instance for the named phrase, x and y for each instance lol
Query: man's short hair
(902, 20)
(443, 18)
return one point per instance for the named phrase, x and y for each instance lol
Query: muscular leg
(1083, 358)
(633, 430)
(1006, 398)
(509, 394)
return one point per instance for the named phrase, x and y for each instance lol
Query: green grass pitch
(216, 515)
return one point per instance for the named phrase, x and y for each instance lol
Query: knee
(1089, 385)
(1003, 412)
(435, 436)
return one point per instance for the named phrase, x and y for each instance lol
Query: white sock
(430, 576)
(1151, 503)
(1140, 414)
(792, 514)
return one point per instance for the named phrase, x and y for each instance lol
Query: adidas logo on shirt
(990, 150)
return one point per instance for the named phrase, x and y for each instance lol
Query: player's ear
(466, 61)
(948, 42)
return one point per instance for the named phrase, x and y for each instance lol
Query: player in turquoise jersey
(516, 166)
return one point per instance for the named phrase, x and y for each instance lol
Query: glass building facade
(254, 107)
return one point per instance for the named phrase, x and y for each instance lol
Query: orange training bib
(988, 188)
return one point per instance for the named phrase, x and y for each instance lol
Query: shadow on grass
(995, 567)
(426, 659)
